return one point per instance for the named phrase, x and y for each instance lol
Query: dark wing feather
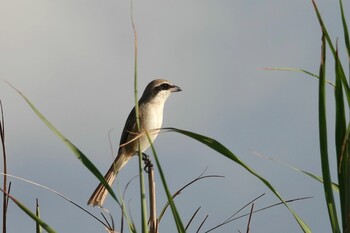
(129, 128)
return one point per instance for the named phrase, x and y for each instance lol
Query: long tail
(100, 193)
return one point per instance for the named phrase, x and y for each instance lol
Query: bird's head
(159, 90)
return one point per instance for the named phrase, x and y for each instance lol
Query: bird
(150, 109)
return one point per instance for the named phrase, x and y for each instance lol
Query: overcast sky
(74, 60)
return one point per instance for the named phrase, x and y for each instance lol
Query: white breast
(151, 120)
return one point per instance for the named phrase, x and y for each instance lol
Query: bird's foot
(148, 163)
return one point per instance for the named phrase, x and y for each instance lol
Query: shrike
(150, 106)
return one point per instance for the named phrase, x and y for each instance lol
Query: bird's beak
(175, 89)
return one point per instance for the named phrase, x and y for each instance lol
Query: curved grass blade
(298, 70)
(178, 192)
(234, 217)
(335, 186)
(31, 214)
(315, 177)
(291, 69)
(87, 163)
(217, 146)
(58, 194)
(191, 219)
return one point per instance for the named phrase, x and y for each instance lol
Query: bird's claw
(148, 163)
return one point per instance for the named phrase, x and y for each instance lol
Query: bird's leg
(148, 163)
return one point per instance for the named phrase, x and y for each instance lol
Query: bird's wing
(130, 129)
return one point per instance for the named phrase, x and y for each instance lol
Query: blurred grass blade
(88, 164)
(292, 69)
(324, 143)
(31, 214)
(335, 186)
(315, 177)
(297, 70)
(178, 221)
(217, 146)
(37, 213)
(340, 133)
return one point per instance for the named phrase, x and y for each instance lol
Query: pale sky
(74, 60)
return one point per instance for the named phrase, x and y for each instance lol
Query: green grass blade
(5, 183)
(345, 29)
(335, 186)
(324, 143)
(340, 134)
(87, 163)
(331, 46)
(178, 221)
(346, 39)
(323, 27)
(32, 215)
(144, 218)
(217, 146)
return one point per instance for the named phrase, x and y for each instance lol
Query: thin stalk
(177, 218)
(194, 214)
(202, 223)
(153, 208)
(250, 218)
(5, 198)
(142, 183)
(37, 212)
(231, 219)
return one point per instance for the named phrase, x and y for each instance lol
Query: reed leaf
(217, 146)
(342, 152)
(332, 47)
(78, 153)
(31, 214)
(324, 142)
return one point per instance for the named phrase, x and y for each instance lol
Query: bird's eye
(165, 86)
(162, 87)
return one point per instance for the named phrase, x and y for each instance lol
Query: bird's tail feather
(99, 195)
